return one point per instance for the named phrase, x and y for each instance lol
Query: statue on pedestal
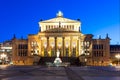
(57, 59)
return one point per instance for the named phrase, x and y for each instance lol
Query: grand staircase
(71, 60)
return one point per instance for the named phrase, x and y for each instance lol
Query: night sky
(98, 17)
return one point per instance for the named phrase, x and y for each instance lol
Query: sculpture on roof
(59, 14)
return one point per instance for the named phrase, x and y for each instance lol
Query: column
(71, 46)
(42, 54)
(77, 52)
(63, 45)
(79, 46)
(47, 42)
(55, 45)
(40, 48)
(47, 46)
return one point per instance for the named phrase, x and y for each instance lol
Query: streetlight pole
(118, 57)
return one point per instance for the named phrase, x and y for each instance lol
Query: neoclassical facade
(63, 35)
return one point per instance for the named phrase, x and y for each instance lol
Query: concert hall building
(65, 35)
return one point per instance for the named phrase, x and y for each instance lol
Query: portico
(68, 46)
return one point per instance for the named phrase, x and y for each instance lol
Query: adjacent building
(115, 54)
(6, 52)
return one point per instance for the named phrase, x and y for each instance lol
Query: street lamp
(118, 57)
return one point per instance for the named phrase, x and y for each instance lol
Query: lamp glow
(118, 57)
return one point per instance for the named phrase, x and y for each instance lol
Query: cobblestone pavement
(58, 73)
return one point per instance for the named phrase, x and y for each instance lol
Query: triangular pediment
(59, 19)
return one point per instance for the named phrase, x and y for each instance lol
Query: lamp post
(118, 57)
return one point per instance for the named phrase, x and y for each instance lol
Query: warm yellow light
(3, 55)
(66, 45)
(74, 45)
(59, 45)
(52, 45)
(45, 45)
(49, 52)
(85, 60)
(117, 56)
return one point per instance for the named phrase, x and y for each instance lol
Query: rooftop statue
(59, 14)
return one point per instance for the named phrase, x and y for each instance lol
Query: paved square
(58, 73)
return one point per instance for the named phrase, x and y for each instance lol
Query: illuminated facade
(114, 50)
(5, 52)
(65, 35)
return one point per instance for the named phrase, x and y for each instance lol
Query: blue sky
(98, 17)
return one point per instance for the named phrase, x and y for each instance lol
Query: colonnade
(68, 46)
